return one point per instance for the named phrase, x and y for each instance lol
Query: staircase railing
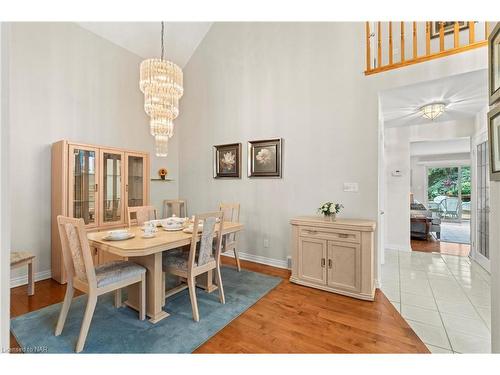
(385, 50)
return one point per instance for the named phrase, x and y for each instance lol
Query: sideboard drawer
(330, 234)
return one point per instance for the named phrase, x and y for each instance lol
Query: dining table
(148, 253)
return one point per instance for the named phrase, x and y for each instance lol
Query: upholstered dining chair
(142, 214)
(231, 214)
(190, 264)
(94, 281)
(177, 207)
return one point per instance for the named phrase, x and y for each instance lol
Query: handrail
(376, 48)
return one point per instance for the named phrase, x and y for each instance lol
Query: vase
(331, 217)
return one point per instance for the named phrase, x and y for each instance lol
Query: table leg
(154, 288)
(205, 281)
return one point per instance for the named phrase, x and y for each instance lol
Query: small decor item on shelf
(330, 210)
(162, 172)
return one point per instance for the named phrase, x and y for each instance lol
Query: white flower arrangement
(330, 208)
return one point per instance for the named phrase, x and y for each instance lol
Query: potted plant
(330, 210)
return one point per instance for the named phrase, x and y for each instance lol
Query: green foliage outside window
(444, 181)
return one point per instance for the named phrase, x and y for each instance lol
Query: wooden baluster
(390, 43)
(441, 35)
(414, 40)
(402, 46)
(427, 38)
(472, 32)
(379, 45)
(456, 30)
(368, 47)
(486, 30)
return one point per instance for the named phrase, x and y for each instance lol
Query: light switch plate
(351, 187)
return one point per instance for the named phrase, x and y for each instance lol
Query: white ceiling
(143, 38)
(464, 95)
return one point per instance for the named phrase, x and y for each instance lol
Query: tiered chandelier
(161, 83)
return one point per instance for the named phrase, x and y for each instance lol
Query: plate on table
(172, 229)
(148, 235)
(190, 229)
(119, 238)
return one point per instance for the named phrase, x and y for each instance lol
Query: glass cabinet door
(83, 184)
(135, 180)
(111, 177)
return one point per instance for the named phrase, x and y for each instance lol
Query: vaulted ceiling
(143, 38)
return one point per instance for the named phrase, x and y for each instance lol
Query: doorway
(449, 199)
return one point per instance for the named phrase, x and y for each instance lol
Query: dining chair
(94, 281)
(142, 214)
(190, 264)
(231, 214)
(177, 207)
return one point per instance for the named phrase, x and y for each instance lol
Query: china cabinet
(97, 184)
(336, 256)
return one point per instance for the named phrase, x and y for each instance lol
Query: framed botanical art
(227, 161)
(494, 143)
(448, 26)
(494, 65)
(264, 158)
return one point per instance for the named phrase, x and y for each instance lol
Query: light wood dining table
(148, 253)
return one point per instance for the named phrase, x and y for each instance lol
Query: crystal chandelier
(433, 110)
(161, 83)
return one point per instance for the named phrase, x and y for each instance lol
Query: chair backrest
(142, 214)
(210, 225)
(231, 214)
(451, 204)
(76, 250)
(177, 207)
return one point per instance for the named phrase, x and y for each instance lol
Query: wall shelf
(159, 179)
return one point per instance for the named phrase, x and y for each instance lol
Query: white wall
(397, 153)
(67, 83)
(4, 192)
(303, 82)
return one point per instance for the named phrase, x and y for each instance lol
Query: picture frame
(227, 160)
(494, 65)
(449, 27)
(265, 158)
(494, 143)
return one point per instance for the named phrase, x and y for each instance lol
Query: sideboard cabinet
(336, 256)
(97, 184)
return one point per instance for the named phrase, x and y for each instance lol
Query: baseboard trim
(23, 280)
(397, 247)
(278, 263)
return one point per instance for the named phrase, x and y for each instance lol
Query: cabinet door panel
(83, 192)
(112, 183)
(312, 260)
(137, 180)
(344, 266)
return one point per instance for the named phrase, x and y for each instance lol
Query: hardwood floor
(434, 246)
(289, 319)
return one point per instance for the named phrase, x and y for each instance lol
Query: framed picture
(493, 64)
(449, 27)
(494, 144)
(264, 158)
(227, 161)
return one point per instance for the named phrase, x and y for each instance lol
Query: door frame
(474, 253)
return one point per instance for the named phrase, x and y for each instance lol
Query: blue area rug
(120, 331)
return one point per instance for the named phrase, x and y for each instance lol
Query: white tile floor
(444, 298)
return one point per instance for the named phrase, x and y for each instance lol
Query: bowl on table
(118, 234)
